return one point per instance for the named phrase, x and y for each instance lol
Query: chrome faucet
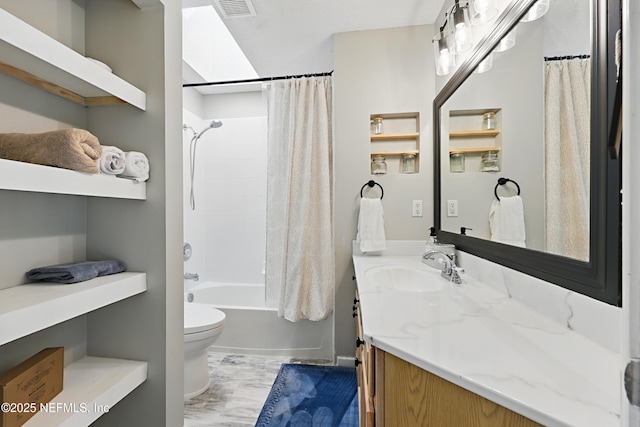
(192, 276)
(450, 271)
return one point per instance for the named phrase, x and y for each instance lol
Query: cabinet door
(415, 397)
(365, 368)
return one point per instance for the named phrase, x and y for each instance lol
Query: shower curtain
(300, 272)
(567, 157)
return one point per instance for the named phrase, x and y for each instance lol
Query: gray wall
(378, 71)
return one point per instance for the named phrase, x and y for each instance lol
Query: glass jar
(489, 121)
(378, 165)
(408, 163)
(377, 125)
(489, 162)
(456, 162)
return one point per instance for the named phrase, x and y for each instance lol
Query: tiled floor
(240, 385)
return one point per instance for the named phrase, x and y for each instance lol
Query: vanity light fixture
(444, 52)
(536, 11)
(483, 11)
(460, 27)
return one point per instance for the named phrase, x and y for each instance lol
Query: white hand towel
(371, 225)
(136, 168)
(506, 220)
(112, 161)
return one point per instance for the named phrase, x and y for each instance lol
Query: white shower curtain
(300, 272)
(567, 157)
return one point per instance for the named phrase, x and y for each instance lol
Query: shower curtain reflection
(567, 157)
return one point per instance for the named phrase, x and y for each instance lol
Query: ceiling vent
(235, 8)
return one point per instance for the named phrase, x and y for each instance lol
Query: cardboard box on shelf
(33, 382)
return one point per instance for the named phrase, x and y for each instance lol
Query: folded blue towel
(75, 272)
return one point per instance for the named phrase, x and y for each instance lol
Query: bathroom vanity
(434, 353)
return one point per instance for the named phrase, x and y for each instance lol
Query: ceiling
(292, 37)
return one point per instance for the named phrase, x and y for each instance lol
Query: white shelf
(32, 56)
(92, 385)
(29, 308)
(22, 176)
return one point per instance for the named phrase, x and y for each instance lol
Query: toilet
(203, 324)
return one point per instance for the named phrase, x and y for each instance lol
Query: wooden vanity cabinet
(393, 392)
(365, 365)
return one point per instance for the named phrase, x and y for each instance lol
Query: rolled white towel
(112, 160)
(136, 168)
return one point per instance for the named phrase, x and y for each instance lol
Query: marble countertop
(482, 340)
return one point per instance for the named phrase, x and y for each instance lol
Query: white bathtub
(252, 328)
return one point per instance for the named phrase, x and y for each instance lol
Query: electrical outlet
(416, 208)
(452, 208)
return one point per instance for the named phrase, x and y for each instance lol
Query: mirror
(521, 157)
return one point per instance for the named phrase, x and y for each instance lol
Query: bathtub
(252, 328)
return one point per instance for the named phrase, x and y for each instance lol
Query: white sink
(406, 279)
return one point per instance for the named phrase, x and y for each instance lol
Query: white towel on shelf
(136, 167)
(112, 160)
(371, 225)
(506, 220)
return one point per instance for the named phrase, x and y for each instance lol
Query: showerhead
(214, 124)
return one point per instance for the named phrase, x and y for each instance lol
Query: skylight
(209, 48)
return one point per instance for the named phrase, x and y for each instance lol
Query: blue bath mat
(311, 395)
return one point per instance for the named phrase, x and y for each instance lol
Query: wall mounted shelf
(473, 150)
(400, 135)
(392, 137)
(98, 383)
(22, 176)
(25, 309)
(37, 59)
(474, 133)
(394, 153)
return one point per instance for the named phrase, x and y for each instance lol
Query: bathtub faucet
(191, 276)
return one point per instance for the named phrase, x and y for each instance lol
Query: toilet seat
(201, 317)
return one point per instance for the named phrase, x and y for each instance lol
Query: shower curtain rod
(560, 58)
(260, 79)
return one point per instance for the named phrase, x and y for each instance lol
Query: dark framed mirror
(512, 133)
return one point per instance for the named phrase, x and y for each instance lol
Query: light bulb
(463, 36)
(445, 61)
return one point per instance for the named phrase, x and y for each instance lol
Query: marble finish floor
(240, 385)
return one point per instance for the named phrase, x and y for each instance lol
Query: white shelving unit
(112, 222)
(29, 308)
(92, 385)
(21, 176)
(32, 56)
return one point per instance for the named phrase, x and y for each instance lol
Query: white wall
(379, 71)
(227, 229)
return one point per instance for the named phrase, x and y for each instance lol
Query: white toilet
(203, 324)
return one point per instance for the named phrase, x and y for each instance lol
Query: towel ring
(371, 184)
(503, 181)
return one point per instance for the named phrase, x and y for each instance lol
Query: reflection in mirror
(524, 116)
(507, 123)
